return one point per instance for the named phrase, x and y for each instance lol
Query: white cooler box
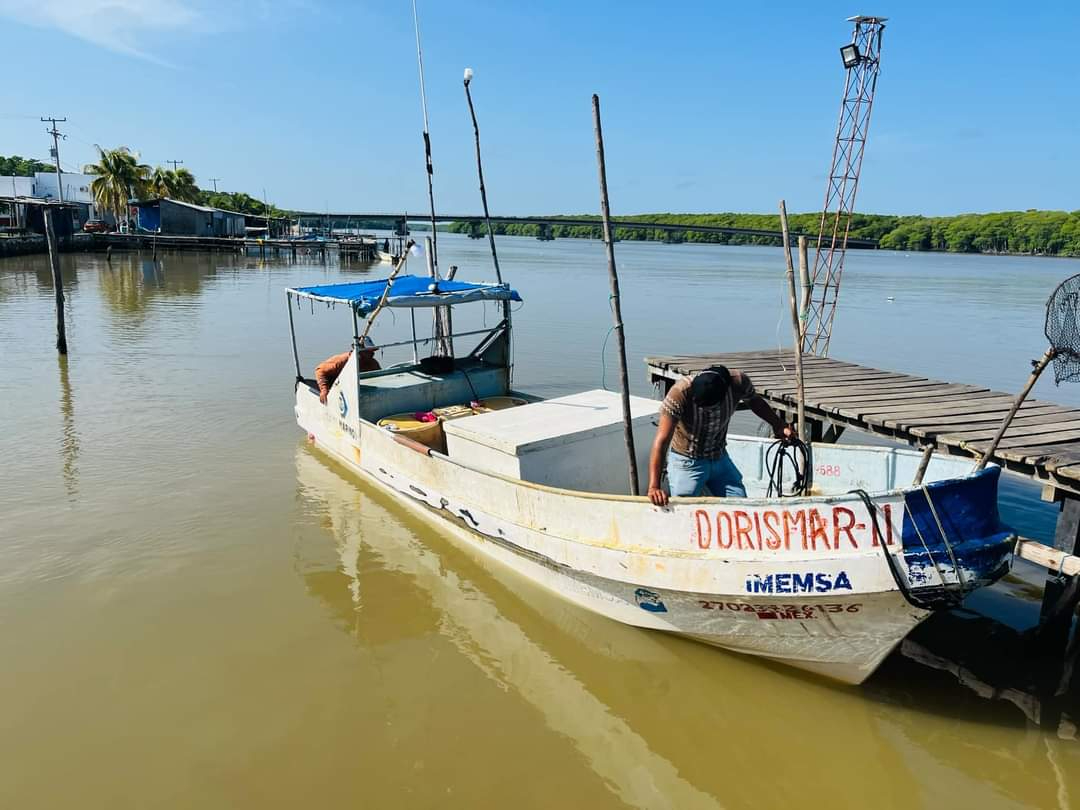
(574, 442)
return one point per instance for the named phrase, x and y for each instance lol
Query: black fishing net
(1063, 329)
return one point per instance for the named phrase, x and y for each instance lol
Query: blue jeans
(687, 477)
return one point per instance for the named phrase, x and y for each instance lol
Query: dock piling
(58, 279)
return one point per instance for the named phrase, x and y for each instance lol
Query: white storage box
(574, 442)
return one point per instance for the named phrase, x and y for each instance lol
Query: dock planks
(959, 419)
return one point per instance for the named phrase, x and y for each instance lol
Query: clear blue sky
(707, 106)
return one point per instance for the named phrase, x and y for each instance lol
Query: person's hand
(784, 433)
(322, 397)
(658, 496)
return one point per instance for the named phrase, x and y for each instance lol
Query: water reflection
(69, 436)
(990, 661)
(656, 716)
(498, 647)
(129, 283)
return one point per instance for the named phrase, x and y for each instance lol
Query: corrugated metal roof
(205, 208)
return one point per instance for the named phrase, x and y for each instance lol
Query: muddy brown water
(199, 610)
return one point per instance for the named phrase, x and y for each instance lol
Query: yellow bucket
(453, 411)
(497, 404)
(406, 424)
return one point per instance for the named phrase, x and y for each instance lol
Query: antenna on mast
(427, 143)
(862, 61)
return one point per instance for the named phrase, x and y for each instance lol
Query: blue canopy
(406, 291)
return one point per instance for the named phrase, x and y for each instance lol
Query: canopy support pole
(509, 347)
(412, 317)
(292, 334)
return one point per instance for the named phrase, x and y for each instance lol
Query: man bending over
(694, 421)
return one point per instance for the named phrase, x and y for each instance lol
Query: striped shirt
(702, 432)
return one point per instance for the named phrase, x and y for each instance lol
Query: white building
(16, 186)
(76, 186)
(44, 186)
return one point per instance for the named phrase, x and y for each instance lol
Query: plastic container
(497, 404)
(449, 412)
(406, 424)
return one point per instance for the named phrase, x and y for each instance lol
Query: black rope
(476, 397)
(943, 600)
(790, 453)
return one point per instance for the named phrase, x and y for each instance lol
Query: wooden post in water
(616, 307)
(58, 279)
(796, 328)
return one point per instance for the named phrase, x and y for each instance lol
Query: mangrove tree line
(1052, 233)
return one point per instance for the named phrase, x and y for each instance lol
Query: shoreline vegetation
(119, 177)
(1015, 233)
(1019, 233)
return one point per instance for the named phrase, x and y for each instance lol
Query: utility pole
(214, 181)
(174, 163)
(56, 135)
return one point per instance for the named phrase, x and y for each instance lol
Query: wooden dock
(364, 249)
(233, 244)
(1043, 441)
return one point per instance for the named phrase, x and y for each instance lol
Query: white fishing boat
(829, 583)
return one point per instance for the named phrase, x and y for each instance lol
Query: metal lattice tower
(862, 65)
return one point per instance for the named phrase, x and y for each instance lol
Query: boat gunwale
(706, 499)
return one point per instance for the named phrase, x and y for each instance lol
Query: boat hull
(833, 611)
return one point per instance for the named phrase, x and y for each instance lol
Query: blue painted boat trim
(968, 512)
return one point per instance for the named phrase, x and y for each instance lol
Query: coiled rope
(790, 453)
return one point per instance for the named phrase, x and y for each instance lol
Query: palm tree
(120, 177)
(184, 187)
(162, 183)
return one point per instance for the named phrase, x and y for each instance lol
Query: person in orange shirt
(328, 370)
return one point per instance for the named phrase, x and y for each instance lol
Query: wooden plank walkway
(1043, 441)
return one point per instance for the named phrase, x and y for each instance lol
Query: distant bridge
(340, 219)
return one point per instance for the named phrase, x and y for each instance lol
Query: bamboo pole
(804, 283)
(58, 279)
(795, 326)
(924, 462)
(427, 142)
(616, 308)
(386, 292)
(480, 172)
(1040, 366)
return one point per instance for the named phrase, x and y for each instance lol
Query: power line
(56, 135)
(174, 163)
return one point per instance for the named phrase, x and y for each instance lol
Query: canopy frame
(405, 292)
(474, 293)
